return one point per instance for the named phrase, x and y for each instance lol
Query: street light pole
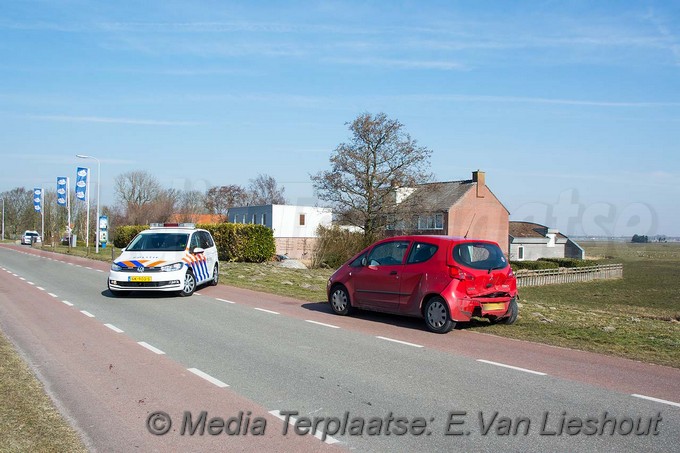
(83, 156)
(3, 218)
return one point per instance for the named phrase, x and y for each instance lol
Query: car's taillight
(459, 274)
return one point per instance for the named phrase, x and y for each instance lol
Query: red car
(440, 278)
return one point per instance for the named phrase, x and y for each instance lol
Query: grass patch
(28, 419)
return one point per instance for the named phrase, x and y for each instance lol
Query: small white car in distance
(166, 257)
(29, 237)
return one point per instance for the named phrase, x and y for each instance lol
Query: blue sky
(572, 108)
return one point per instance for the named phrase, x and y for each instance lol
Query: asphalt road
(111, 362)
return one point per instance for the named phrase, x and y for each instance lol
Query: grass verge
(28, 419)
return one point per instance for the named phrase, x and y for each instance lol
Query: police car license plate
(139, 279)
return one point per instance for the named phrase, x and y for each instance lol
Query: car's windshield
(159, 242)
(479, 255)
(28, 233)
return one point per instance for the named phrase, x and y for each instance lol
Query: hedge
(533, 265)
(568, 262)
(235, 241)
(248, 243)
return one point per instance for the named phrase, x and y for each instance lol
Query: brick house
(465, 208)
(531, 241)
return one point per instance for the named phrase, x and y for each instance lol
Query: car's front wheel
(189, 284)
(512, 313)
(215, 276)
(437, 317)
(339, 300)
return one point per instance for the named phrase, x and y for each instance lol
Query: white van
(166, 257)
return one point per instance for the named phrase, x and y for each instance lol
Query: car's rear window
(479, 255)
(159, 242)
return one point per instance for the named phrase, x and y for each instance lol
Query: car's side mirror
(197, 251)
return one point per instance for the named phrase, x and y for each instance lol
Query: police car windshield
(159, 242)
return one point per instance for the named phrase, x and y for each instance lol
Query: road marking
(656, 399)
(87, 313)
(53, 295)
(14, 274)
(40, 288)
(70, 264)
(114, 328)
(99, 270)
(268, 311)
(22, 278)
(322, 324)
(401, 342)
(31, 283)
(291, 421)
(225, 300)
(512, 367)
(78, 265)
(198, 294)
(207, 377)
(150, 348)
(67, 303)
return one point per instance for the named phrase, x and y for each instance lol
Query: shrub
(334, 246)
(533, 265)
(242, 242)
(568, 262)
(122, 235)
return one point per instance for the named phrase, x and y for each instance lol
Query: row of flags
(62, 189)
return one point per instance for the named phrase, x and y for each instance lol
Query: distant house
(197, 218)
(531, 241)
(294, 227)
(455, 208)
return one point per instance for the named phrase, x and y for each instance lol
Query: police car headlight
(172, 267)
(115, 267)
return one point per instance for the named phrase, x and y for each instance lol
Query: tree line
(139, 199)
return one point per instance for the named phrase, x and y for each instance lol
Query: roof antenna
(470, 226)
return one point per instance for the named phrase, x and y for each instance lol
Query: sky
(572, 108)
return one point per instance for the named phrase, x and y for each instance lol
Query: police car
(166, 257)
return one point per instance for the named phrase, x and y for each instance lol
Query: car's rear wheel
(513, 311)
(215, 276)
(437, 317)
(339, 300)
(189, 284)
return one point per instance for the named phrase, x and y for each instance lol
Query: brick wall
(296, 248)
(483, 215)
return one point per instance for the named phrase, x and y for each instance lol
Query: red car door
(377, 285)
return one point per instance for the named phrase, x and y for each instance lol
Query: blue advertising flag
(61, 190)
(81, 183)
(37, 199)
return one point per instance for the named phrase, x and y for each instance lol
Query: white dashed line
(99, 270)
(114, 328)
(225, 300)
(53, 295)
(207, 377)
(322, 324)
(198, 294)
(70, 264)
(291, 421)
(65, 302)
(31, 283)
(512, 367)
(22, 278)
(87, 313)
(656, 400)
(268, 311)
(150, 348)
(40, 288)
(401, 342)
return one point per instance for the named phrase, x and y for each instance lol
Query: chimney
(480, 178)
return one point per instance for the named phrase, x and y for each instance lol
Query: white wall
(286, 220)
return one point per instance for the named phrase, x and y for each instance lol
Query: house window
(302, 220)
(431, 222)
(520, 253)
(253, 219)
(244, 218)
(264, 218)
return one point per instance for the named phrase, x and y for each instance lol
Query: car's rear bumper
(464, 309)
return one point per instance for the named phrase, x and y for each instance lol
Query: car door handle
(393, 273)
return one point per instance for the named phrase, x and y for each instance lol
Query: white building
(294, 227)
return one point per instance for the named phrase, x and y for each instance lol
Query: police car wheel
(189, 285)
(215, 276)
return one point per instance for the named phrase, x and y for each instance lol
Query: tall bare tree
(219, 199)
(143, 198)
(265, 190)
(379, 157)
